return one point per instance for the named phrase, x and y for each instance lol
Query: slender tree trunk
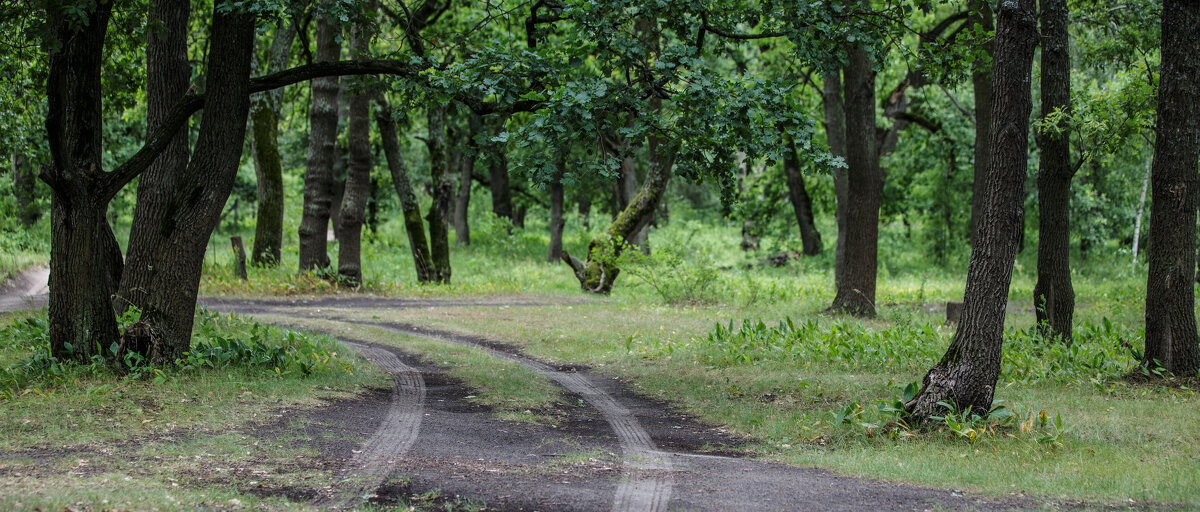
(268, 167)
(1053, 295)
(25, 189)
(556, 215)
(318, 175)
(358, 175)
(864, 187)
(585, 210)
(801, 203)
(966, 375)
(1171, 339)
(408, 201)
(439, 236)
(835, 135)
(165, 259)
(981, 81)
(1137, 224)
(466, 169)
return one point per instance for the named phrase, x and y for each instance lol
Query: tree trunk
(801, 203)
(318, 175)
(408, 201)
(268, 167)
(166, 255)
(556, 215)
(462, 202)
(502, 204)
(358, 175)
(1053, 295)
(864, 187)
(626, 187)
(981, 81)
(1137, 223)
(966, 375)
(439, 236)
(25, 189)
(835, 135)
(585, 209)
(1171, 339)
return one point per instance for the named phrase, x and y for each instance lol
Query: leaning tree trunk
(556, 215)
(439, 236)
(626, 186)
(358, 175)
(864, 188)
(598, 273)
(1053, 295)
(981, 81)
(268, 167)
(966, 375)
(318, 175)
(85, 260)
(409, 208)
(466, 169)
(810, 238)
(166, 257)
(835, 136)
(1171, 339)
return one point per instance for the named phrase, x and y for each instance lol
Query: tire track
(369, 467)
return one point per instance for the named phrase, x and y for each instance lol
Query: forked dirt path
(660, 465)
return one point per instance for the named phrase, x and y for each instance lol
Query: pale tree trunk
(1137, 223)
(268, 167)
(409, 208)
(835, 135)
(1053, 295)
(1171, 339)
(966, 375)
(162, 278)
(439, 236)
(322, 136)
(981, 80)
(864, 188)
(358, 175)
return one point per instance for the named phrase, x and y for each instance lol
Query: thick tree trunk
(864, 187)
(1171, 339)
(25, 189)
(439, 236)
(966, 375)
(408, 201)
(318, 175)
(981, 81)
(810, 238)
(466, 169)
(835, 135)
(165, 257)
(358, 176)
(598, 273)
(1053, 295)
(556, 215)
(268, 167)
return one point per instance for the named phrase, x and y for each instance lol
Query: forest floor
(431, 441)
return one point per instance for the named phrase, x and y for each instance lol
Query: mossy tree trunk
(409, 208)
(966, 375)
(1171, 339)
(268, 167)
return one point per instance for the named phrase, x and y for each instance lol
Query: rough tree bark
(466, 169)
(1171, 339)
(408, 200)
(439, 236)
(162, 276)
(1053, 295)
(835, 135)
(268, 167)
(810, 238)
(864, 188)
(966, 375)
(981, 81)
(358, 174)
(85, 260)
(318, 175)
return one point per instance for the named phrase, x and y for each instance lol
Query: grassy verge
(183, 437)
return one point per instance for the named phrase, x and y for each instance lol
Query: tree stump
(239, 254)
(953, 312)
